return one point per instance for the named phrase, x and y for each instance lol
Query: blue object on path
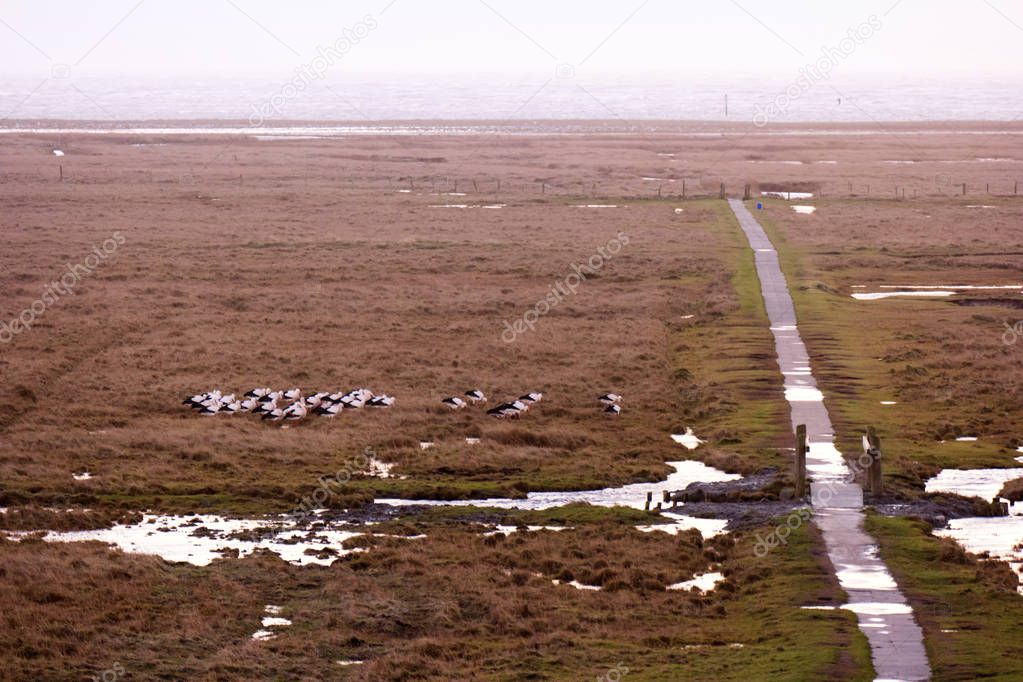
(760, 206)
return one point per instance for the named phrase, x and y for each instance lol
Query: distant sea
(528, 98)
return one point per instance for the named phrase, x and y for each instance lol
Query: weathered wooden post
(801, 450)
(649, 499)
(62, 172)
(475, 187)
(683, 189)
(721, 194)
(872, 447)
(964, 189)
(667, 496)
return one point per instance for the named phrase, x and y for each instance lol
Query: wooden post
(683, 189)
(721, 194)
(543, 188)
(988, 188)
(1015, 187)
(62, 172)
(667, 496)
(873, 447)
(801, 450)
(964, 189)
(475, 187)
(658, 191)
(649, 499)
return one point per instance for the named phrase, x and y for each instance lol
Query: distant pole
(964, 189)
(62, 172)
(721, 194)
(726, 105)
(683, 189)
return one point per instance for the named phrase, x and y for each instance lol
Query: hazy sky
(214, 37)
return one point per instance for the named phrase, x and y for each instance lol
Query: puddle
(1000, 536)
(805, 209)
(687, 440)
(966, 439)
(704, 583)
(956, 287)
(426, 445)
(983, 483)
(803, 394)
(57, 152)
(350, 662)
(633, 495)
(578, 585)
(508, 530)
(84, 476)
(877, 296)
(708, 527)
(879, 608)
(861, 577)
(198, 540)
(789, 196)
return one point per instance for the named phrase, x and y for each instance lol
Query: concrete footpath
(885, 617)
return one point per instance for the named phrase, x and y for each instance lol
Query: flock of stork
(291, 405)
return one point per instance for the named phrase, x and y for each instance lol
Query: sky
(632, 38)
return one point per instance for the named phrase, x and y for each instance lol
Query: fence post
(801, 450)
(872, 447)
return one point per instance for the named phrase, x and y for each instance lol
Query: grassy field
(969, 609)
(453, 605)
(943, 361)
(244, 285)
(331, 265)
